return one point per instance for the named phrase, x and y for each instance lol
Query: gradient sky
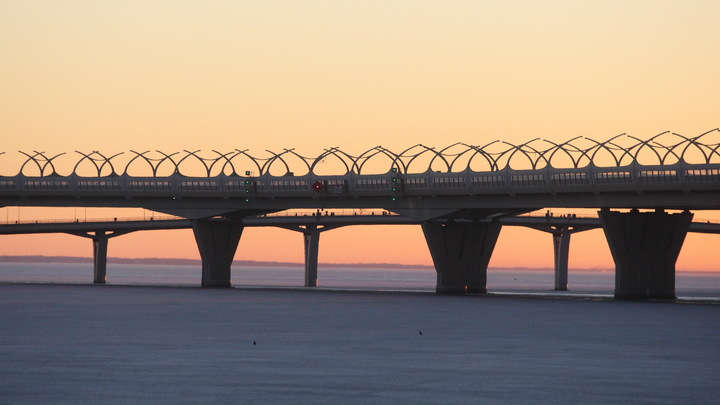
(173, 75)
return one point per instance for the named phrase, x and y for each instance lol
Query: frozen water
(514, 280)
(71, 344)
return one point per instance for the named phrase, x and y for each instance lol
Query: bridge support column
(645, 247)
(461, 252)
(217, 240)
(561, 245)
(100, 247)
(311, 236)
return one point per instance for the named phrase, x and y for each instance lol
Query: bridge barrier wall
(591, 179)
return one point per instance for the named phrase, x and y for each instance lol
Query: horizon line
(270, 263)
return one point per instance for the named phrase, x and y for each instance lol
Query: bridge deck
(135, 224)
(678, 186)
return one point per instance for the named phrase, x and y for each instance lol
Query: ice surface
(66, 344)
(505, 280)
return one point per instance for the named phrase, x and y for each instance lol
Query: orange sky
(174, 75)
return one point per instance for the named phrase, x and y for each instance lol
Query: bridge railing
(591, 179)
(296, 213)
(155, 217)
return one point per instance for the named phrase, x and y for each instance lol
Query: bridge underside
(644, 246)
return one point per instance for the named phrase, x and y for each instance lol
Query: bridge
(458, 194)
(311, 225)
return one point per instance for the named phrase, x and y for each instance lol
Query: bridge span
(458, 194)
(561, 228)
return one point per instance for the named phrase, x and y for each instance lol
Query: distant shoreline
(256, 263)
(195, 262)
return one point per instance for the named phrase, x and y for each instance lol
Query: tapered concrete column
(561, 245)
(217, 240)
(311, 237)
(461, 252)
(100, 247)
(645, 247)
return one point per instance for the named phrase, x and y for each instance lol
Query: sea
(504, 280)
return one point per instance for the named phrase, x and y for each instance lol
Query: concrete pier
(561, 248)
(461, 252)
(311, 243)
(217, 240)
(100, 247)
(645, 247)
(311, 237)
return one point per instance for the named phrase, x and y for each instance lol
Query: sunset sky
(173, 75)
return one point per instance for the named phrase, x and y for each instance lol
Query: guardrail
(91, 220)
(293, 214)
(634, 178)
